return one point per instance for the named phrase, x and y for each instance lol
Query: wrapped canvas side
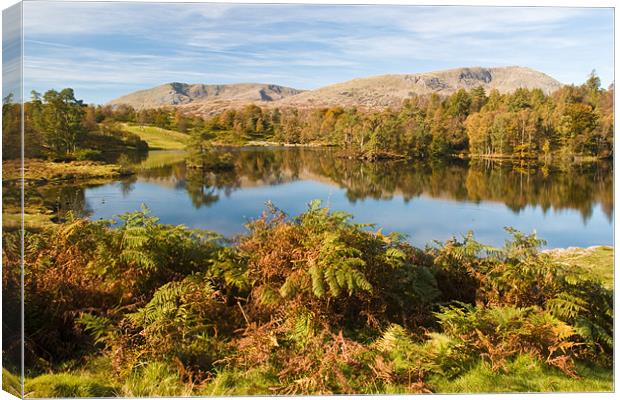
(12, 201)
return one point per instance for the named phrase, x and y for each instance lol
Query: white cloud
(121, 44)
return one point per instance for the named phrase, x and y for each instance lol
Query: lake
(569, 205)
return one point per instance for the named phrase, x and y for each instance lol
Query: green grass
(525, 375)
(158, 138)
(232, 382)
(11, 383)
(50, 171)
(68, 385)
(155, 379)
(597, 262)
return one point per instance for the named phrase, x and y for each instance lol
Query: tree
(11, 117)
(478, 99)
(90, 119)
(181, 122)
(199, 148)
(59, 118)
(594, 82)
(459, 104)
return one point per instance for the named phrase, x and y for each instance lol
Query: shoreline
(265, 143)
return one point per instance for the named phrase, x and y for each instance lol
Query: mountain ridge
(373, 92)
(177, 93)
(390, 90)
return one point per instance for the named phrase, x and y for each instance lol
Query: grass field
(158, 138)
(596, 261)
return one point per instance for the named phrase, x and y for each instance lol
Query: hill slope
(173, 94)
(371, 92)
(390, 90)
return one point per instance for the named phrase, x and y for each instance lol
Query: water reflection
(570, 186)
(546, 199)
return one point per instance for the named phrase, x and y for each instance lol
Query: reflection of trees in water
(576, 186)
(569, 186)
(63, 199)
(129, 157)
(127, 185)
(563, 186)
(203, 186)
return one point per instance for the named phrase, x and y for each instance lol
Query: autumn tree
(58, 115)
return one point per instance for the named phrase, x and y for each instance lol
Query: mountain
(371, 92)
(390, 90)
(175, 94)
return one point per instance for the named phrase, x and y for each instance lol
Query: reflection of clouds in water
(422, 219)
(426, 202)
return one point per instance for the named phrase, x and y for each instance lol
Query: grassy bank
(158, 138)
(37, 171)
(596, 262)
(43, 174)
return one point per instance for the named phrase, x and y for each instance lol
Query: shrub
(314, 304)
(519, 275)
(186, 323)
(497, 334)
(87, 155)
(322, 262)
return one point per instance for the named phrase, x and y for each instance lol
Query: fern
(100, 328)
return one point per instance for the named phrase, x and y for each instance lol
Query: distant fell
(175, 94)
(390, 90)
(374, 92)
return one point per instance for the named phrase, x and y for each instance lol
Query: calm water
(569, 206)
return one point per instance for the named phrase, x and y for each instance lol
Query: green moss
(68, 385)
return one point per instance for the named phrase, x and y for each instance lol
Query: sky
(105, 50)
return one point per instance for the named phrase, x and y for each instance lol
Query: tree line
(575, 120)
(59, 126)
(525, 124)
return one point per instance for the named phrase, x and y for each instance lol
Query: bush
(338, 270)
(82, 265)
(87, 155)
(186, 322)
(498, 334)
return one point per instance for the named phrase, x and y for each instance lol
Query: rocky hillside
(176, 94)
(371, 92)
(391, 90)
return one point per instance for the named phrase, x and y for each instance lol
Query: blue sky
(104, 50)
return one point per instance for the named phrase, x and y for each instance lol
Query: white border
(540, 3)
